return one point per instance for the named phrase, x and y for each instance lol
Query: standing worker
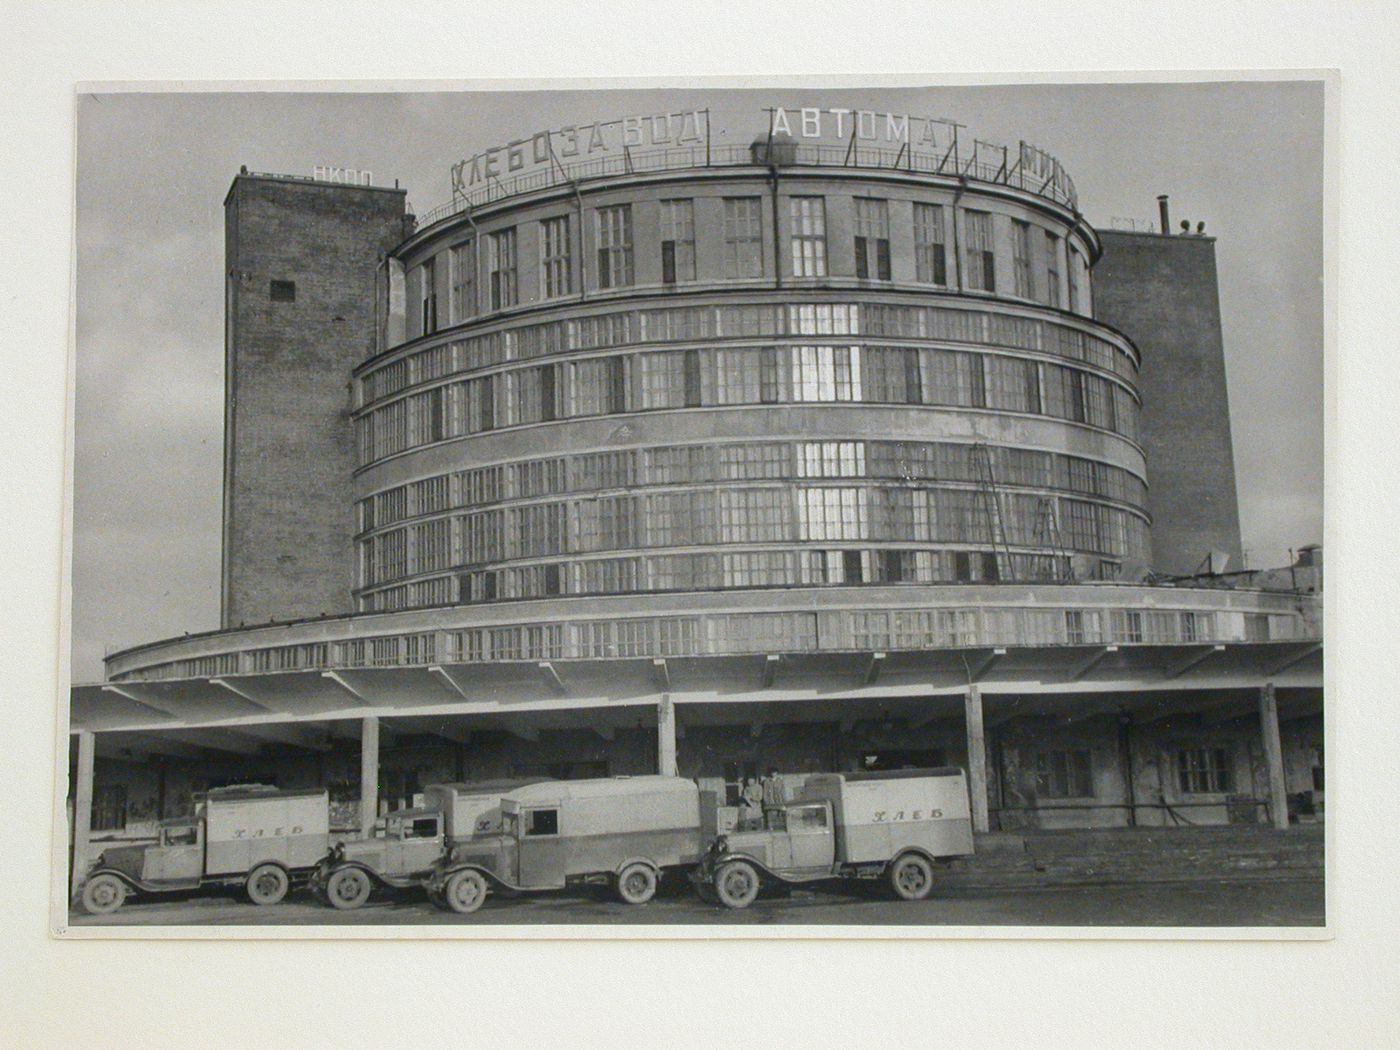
(774, 797)
(751, 803)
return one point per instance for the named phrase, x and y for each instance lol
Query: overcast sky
(153, 169)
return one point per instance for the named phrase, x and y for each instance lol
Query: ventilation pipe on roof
(1166, 217)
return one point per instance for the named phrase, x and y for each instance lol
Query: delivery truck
(413, 841)
(898, 826)
(252, 836)
(625, 832)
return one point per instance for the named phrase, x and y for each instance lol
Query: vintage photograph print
(778, 508)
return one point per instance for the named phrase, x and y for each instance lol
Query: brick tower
(299, 315)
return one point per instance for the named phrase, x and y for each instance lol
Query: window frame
(930, 255)
(556, 257)
(1196, 773)
(681, 240)
(872, 238)
(502, 264)
(807, 235)
(615, 246)
(743, 238)
(1064, 773)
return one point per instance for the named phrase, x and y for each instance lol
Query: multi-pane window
(427, 276)
(1204, 770)
(980, 254)
(831, 459)
(500, 265)
(833, 513)
(930, 251)
(754, 515)
(677, 241)
(597, 387)
(1021, 259)
(826, 373)
(743, 237)
(614, 246)
(808, 220)
(1063, 774)
(109, 808)
(463, 303)
(1052, 269)
(872, 238)
(556, 271)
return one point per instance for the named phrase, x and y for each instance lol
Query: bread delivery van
(622, 831)
(413, 841)
(894, 825)
(252, 836)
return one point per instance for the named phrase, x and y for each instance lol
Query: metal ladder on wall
(989, 498)
(1047, 534)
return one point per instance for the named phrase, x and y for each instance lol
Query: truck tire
(347, 889)
(267, 884)
(103, 894)
(636, 883)
(736, 884)
(911, 877)
(465, 892)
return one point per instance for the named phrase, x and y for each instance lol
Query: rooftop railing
(1024, 168)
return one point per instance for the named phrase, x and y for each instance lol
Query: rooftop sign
(603, 138)
(821, 135)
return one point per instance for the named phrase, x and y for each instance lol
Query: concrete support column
(82, 806)
(976, 758)
(666, 736)
(1273, 753)
(369, 774)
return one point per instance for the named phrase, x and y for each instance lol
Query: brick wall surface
(288, 456)
(1162, 292)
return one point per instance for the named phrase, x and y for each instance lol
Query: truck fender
(331, 868)
(123, 876)
(917, 851)
(656, 868)
(714, 864)
(438, 879)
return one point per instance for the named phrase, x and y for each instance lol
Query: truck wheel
(465, 892)
(911, 877)
(103, 894)
(267, 884)
(636, 884)
(736, 883)
(347, 888)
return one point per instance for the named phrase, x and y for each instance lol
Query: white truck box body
(470, 810)
(880, 814)
(244, 829)
(604, 822)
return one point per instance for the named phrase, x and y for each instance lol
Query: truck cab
(801, 840)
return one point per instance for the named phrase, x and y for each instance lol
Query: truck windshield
(508, 823)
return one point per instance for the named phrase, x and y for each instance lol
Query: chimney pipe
(1166, 219)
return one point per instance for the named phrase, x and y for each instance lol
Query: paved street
(1273, 902)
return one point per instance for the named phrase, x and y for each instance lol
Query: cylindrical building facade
(741, 378)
